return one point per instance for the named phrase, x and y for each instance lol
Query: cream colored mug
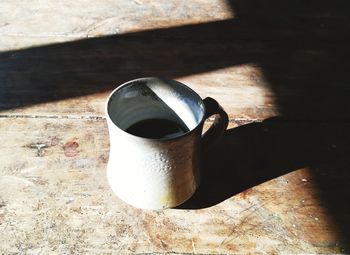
(155, 128)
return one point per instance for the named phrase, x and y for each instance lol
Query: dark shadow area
(303, 48)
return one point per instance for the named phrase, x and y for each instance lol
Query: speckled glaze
(154, 173)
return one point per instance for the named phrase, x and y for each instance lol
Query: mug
(155, 127)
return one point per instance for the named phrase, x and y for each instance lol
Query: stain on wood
(71, 148)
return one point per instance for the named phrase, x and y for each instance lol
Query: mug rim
(166, 80)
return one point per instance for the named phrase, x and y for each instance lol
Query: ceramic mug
(157, 166)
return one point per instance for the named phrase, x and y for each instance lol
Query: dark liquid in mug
(157, 128)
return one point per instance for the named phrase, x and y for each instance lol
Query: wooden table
(277, 182)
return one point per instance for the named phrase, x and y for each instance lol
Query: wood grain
(271, 185)
(54, 202)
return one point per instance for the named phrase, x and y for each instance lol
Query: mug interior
(155, 99)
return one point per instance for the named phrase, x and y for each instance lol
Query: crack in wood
(69, 117)
(39, 147)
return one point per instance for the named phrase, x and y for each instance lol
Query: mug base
(139, 201)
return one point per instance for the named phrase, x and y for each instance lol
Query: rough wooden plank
(35, 81)
(57, 200)
(83, 19)
(255, 66)
(270, 59)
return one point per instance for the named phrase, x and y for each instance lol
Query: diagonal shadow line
(59, 71)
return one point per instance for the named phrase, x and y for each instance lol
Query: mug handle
(220, 123)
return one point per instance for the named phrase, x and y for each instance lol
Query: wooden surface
(277, 182)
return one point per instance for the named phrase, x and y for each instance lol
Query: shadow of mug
(254, 153)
